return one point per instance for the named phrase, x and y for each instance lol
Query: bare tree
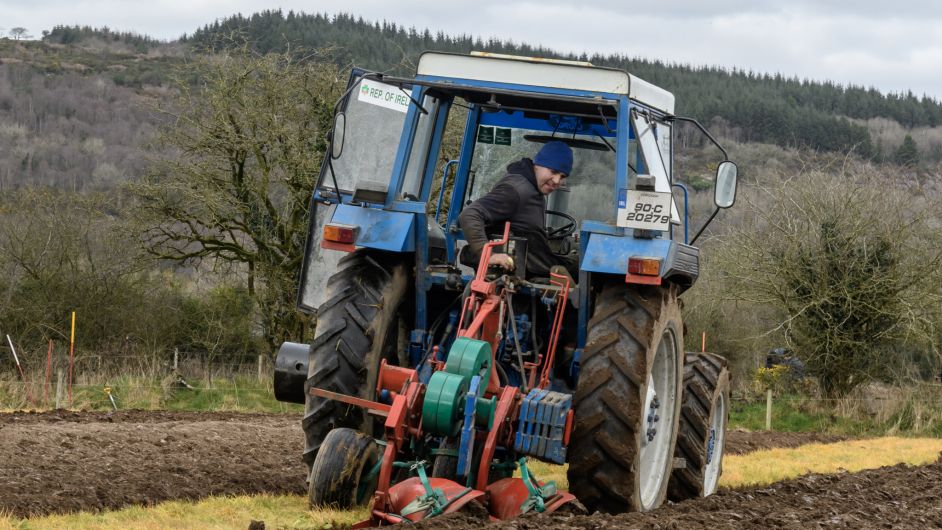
(62, 252)
(250, 136)
(20, 33)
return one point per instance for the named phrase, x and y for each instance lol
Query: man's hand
(501, 260)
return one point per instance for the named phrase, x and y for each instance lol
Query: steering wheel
(564, 231)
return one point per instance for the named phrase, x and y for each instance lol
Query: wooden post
(71, 357)
(260, 360)
(768, 409)
(176, 359)
(48, 375)
(703, 343)
(59, 379)
(25, 381)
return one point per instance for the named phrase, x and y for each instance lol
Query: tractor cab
(400, 172)
(476, 352)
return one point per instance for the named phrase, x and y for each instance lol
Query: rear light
(644, 266)
(338, 233)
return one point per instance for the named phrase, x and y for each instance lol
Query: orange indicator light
(338, 233)
(644, 266)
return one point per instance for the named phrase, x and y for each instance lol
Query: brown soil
(739, 442)
(67, 461)
(890, 497)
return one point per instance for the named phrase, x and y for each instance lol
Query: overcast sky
(893, 46)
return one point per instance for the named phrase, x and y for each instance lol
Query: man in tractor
(520, 197)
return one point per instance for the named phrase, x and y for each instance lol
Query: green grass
(234, 394)
(910, 411)
(793, 415)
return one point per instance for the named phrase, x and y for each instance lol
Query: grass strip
(773, 465)
(213, 513)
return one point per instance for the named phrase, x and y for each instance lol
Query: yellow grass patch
(291, 511)
(222, 513)
(773, 465)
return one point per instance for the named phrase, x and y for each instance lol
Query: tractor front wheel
(627, 402)
(344, 474)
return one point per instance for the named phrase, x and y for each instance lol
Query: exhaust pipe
(291, 372)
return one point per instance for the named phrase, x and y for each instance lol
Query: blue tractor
(429, 383)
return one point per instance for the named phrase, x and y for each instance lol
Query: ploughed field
(59, 462)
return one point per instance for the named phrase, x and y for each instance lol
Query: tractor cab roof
(577, 80)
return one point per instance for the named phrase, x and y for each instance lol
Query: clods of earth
(59, 462)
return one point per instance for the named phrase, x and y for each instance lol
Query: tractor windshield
(375, 113)
(589, 193)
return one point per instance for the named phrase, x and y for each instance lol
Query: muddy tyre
(703, 417)
(358, 325)
(627, 402)
(343, 473)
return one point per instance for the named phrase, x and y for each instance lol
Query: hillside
(757, 108)
(75, 117)
(74, 107)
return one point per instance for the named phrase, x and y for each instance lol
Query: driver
(520, 197)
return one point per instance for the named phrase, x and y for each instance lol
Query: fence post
(48, 375)
(59, 378)
(260, 360)
(768, 409)
(176, 359)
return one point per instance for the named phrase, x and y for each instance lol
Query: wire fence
(174, 379)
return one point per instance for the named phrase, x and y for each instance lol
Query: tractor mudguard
(605, 253)
(379, 229)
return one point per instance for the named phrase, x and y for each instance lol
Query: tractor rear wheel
(627, 401)
(703, 417)
(358, 326)
(343, 473)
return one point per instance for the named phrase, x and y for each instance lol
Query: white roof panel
(530, 71)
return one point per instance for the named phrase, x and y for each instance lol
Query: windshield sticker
(502, 136)
(383, 95)
(485, 135)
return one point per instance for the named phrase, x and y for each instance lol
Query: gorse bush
(850, 262)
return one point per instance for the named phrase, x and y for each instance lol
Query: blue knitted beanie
(555, 155)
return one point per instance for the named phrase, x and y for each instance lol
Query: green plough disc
(443, 407)
(470, 357)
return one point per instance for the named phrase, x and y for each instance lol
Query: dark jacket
(515, 198)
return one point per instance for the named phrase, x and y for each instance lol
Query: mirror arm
(333, 177)
(346, 93)
(605, 122)
(706, 224)
(704, 131)
(412, 99)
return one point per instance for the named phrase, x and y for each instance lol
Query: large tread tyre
(635, 342)
(357, 327)
(343, 474)
(703, 418)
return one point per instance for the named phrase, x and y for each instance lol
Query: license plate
(645, 210)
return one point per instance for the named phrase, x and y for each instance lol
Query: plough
(496, 428)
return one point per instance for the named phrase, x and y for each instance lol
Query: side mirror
(336, 143)
(724, 191)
